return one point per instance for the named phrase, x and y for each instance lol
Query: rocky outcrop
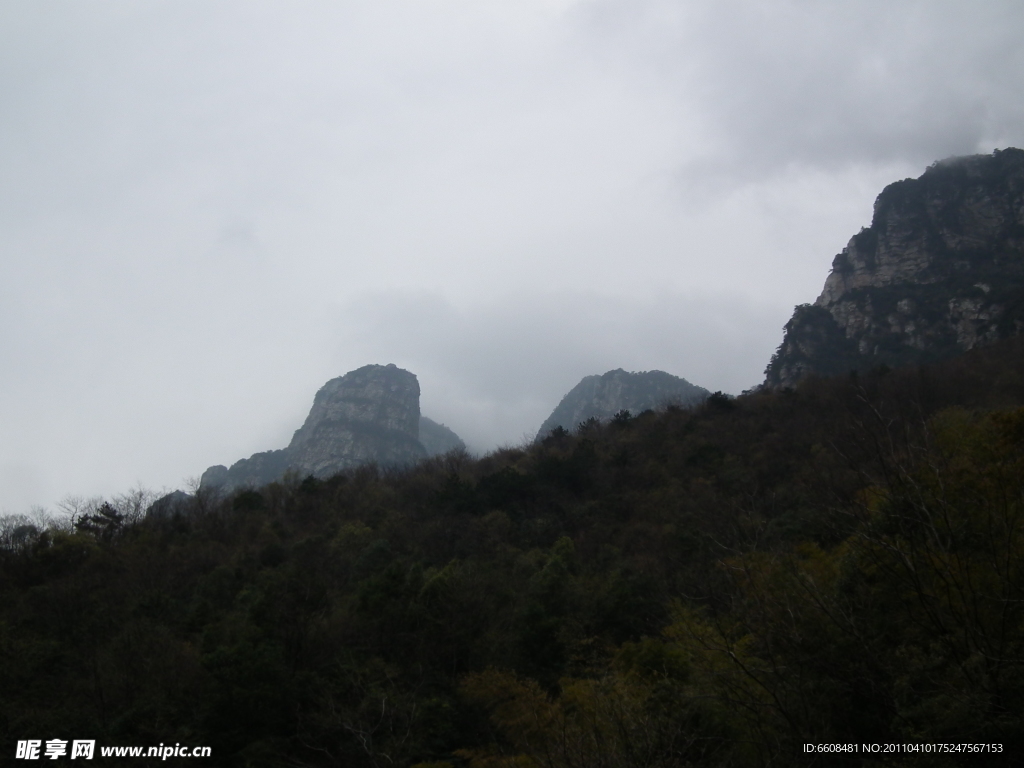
(601, 397)
(939, 271)
(437, 439)
(370, 415)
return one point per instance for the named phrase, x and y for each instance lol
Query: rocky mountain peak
(603, 396)
(380, 396)
(370, 415)
(939, 271)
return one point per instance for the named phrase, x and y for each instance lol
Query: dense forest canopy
(716, 586)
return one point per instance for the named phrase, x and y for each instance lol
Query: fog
(207, 209)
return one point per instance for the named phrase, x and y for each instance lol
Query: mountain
(437, 439)
(369, 415)
(714, 586)
(939, 271)
(731, 584)
(601, 397)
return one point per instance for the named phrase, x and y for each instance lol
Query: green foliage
(716, 587)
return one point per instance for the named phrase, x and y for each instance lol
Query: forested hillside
(842, 562)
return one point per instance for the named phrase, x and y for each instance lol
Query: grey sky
(209, 209)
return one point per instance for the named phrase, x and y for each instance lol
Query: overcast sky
(208, 209)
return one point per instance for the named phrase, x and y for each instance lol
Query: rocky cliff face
(368, 415)
(601, 397)
(939, 271)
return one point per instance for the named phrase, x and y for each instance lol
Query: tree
(105, 523)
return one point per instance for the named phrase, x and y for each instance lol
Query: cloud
(825, 84)
(206, 211)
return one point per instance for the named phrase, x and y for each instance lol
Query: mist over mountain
(438, 439)
(602, 397)
(331, 184)
(370, 415)
(940, 271)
